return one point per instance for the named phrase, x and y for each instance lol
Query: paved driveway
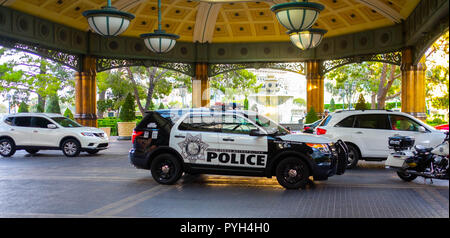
(106, 185)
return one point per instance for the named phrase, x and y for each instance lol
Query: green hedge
(389, 105)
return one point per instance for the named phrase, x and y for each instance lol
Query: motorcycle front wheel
(405, 176)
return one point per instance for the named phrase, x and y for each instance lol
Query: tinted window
(201, 123)
(39, 122)
(22, 121)
(9, 121)
(403, 123)
(65, 122)
(347, 122)
(236, 124)
(372, 121)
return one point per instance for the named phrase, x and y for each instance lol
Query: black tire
(407, 177)
(166, 169)
(7, 147)
(353, 156)
(32, 151)
(71, 148)
(292, 173)
(92, 152)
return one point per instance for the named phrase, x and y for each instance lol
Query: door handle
(12, 129)
(180, 136)
(35, 131)
(228, 139)
(359, 132)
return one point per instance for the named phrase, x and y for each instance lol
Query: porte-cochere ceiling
(250, 21)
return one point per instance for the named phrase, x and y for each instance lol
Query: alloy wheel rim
(165, 170)
(70, 148)
(351, 157)
(5, 148)
(293, 173)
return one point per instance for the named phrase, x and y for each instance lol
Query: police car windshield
(270, 126)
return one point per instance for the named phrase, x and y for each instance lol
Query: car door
(194, 137)
(238, 148)
(405, 126)
(41, 134)
(21, 131)
(372, 131)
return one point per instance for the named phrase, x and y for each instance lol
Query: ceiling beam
(6, 2)
(383, 9)
(206, 21)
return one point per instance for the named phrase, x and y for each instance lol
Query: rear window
(347, 122)
(155, 120)
(9, 121)
(22, 121)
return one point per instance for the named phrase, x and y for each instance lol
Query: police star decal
(193, 148)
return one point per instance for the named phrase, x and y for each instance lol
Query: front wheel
(166, 169)
(71, 148)
(7, 148)
(405, 176)
(292, 173)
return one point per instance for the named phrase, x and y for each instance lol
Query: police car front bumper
(325, 165)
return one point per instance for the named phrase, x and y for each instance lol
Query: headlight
(87, 134)
(321, 147)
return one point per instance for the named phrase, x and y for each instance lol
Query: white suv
(366, 132)
(44, 131)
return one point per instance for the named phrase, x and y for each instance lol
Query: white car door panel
(193, 139)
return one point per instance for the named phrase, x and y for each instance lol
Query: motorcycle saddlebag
(401, 142)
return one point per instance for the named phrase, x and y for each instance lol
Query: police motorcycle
(418, 161)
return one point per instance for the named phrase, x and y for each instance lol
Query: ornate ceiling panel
(235, 22)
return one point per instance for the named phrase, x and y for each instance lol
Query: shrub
(311, 116)
(127, 112)
(23, 107)
(53, 105)
(361, 104)
(68, 113)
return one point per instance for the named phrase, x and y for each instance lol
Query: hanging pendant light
(297, 16)
(307, 39)
(159, 41)
(108, 21)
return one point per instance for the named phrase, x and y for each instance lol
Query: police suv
(195, 141)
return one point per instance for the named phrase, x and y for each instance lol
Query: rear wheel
(7, 147)
(405, 176)
(166, 169)
(71, 148)
(292, 173)
(32, 151)
(353, 156)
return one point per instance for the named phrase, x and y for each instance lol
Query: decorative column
(200, 86)
(86, 93)
(413, 85)
(314, 87)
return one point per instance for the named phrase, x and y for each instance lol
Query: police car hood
(305, 138)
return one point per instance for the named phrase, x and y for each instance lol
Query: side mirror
(257, 132)
(422, 129)
(51, 126)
